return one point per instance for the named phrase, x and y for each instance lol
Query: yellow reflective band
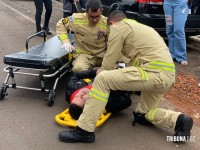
(99, 98)
(129, 20)
(63, 36)
(103, 25)
(144, 74)
(136, 62)
(162, 65)
(99, 95)
(82, 51)
(80, 21)
(151, 116)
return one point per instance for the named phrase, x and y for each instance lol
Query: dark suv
(152, 14)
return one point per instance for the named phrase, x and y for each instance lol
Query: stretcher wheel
(3, 93)
(51, 97)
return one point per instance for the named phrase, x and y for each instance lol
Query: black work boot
(47, 30)
(183, 126)
(77, 135)
(140, 118)
(41, 34)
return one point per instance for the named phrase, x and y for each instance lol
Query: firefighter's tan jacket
(88, 40)
(141, 44)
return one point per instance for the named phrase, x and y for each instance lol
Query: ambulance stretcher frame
(45, 60)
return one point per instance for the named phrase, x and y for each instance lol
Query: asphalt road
(27, 123)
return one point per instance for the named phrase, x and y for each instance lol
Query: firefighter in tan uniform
(151, 71)
(90, 33)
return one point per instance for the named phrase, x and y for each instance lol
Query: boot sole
(77, 141)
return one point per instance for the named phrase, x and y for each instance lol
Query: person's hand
(68, 47)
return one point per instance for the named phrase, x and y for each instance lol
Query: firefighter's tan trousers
(129, 79)
(84, 62)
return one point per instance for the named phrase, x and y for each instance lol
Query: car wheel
(115, 6)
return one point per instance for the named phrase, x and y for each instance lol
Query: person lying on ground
(77, 91)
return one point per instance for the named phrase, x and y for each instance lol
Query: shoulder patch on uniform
(101, 34)
(65, 21)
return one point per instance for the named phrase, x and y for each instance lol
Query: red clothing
(72, 96)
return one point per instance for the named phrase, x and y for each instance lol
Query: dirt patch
(185, 94)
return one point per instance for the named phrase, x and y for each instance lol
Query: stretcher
(64, 118)
(45, 60)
